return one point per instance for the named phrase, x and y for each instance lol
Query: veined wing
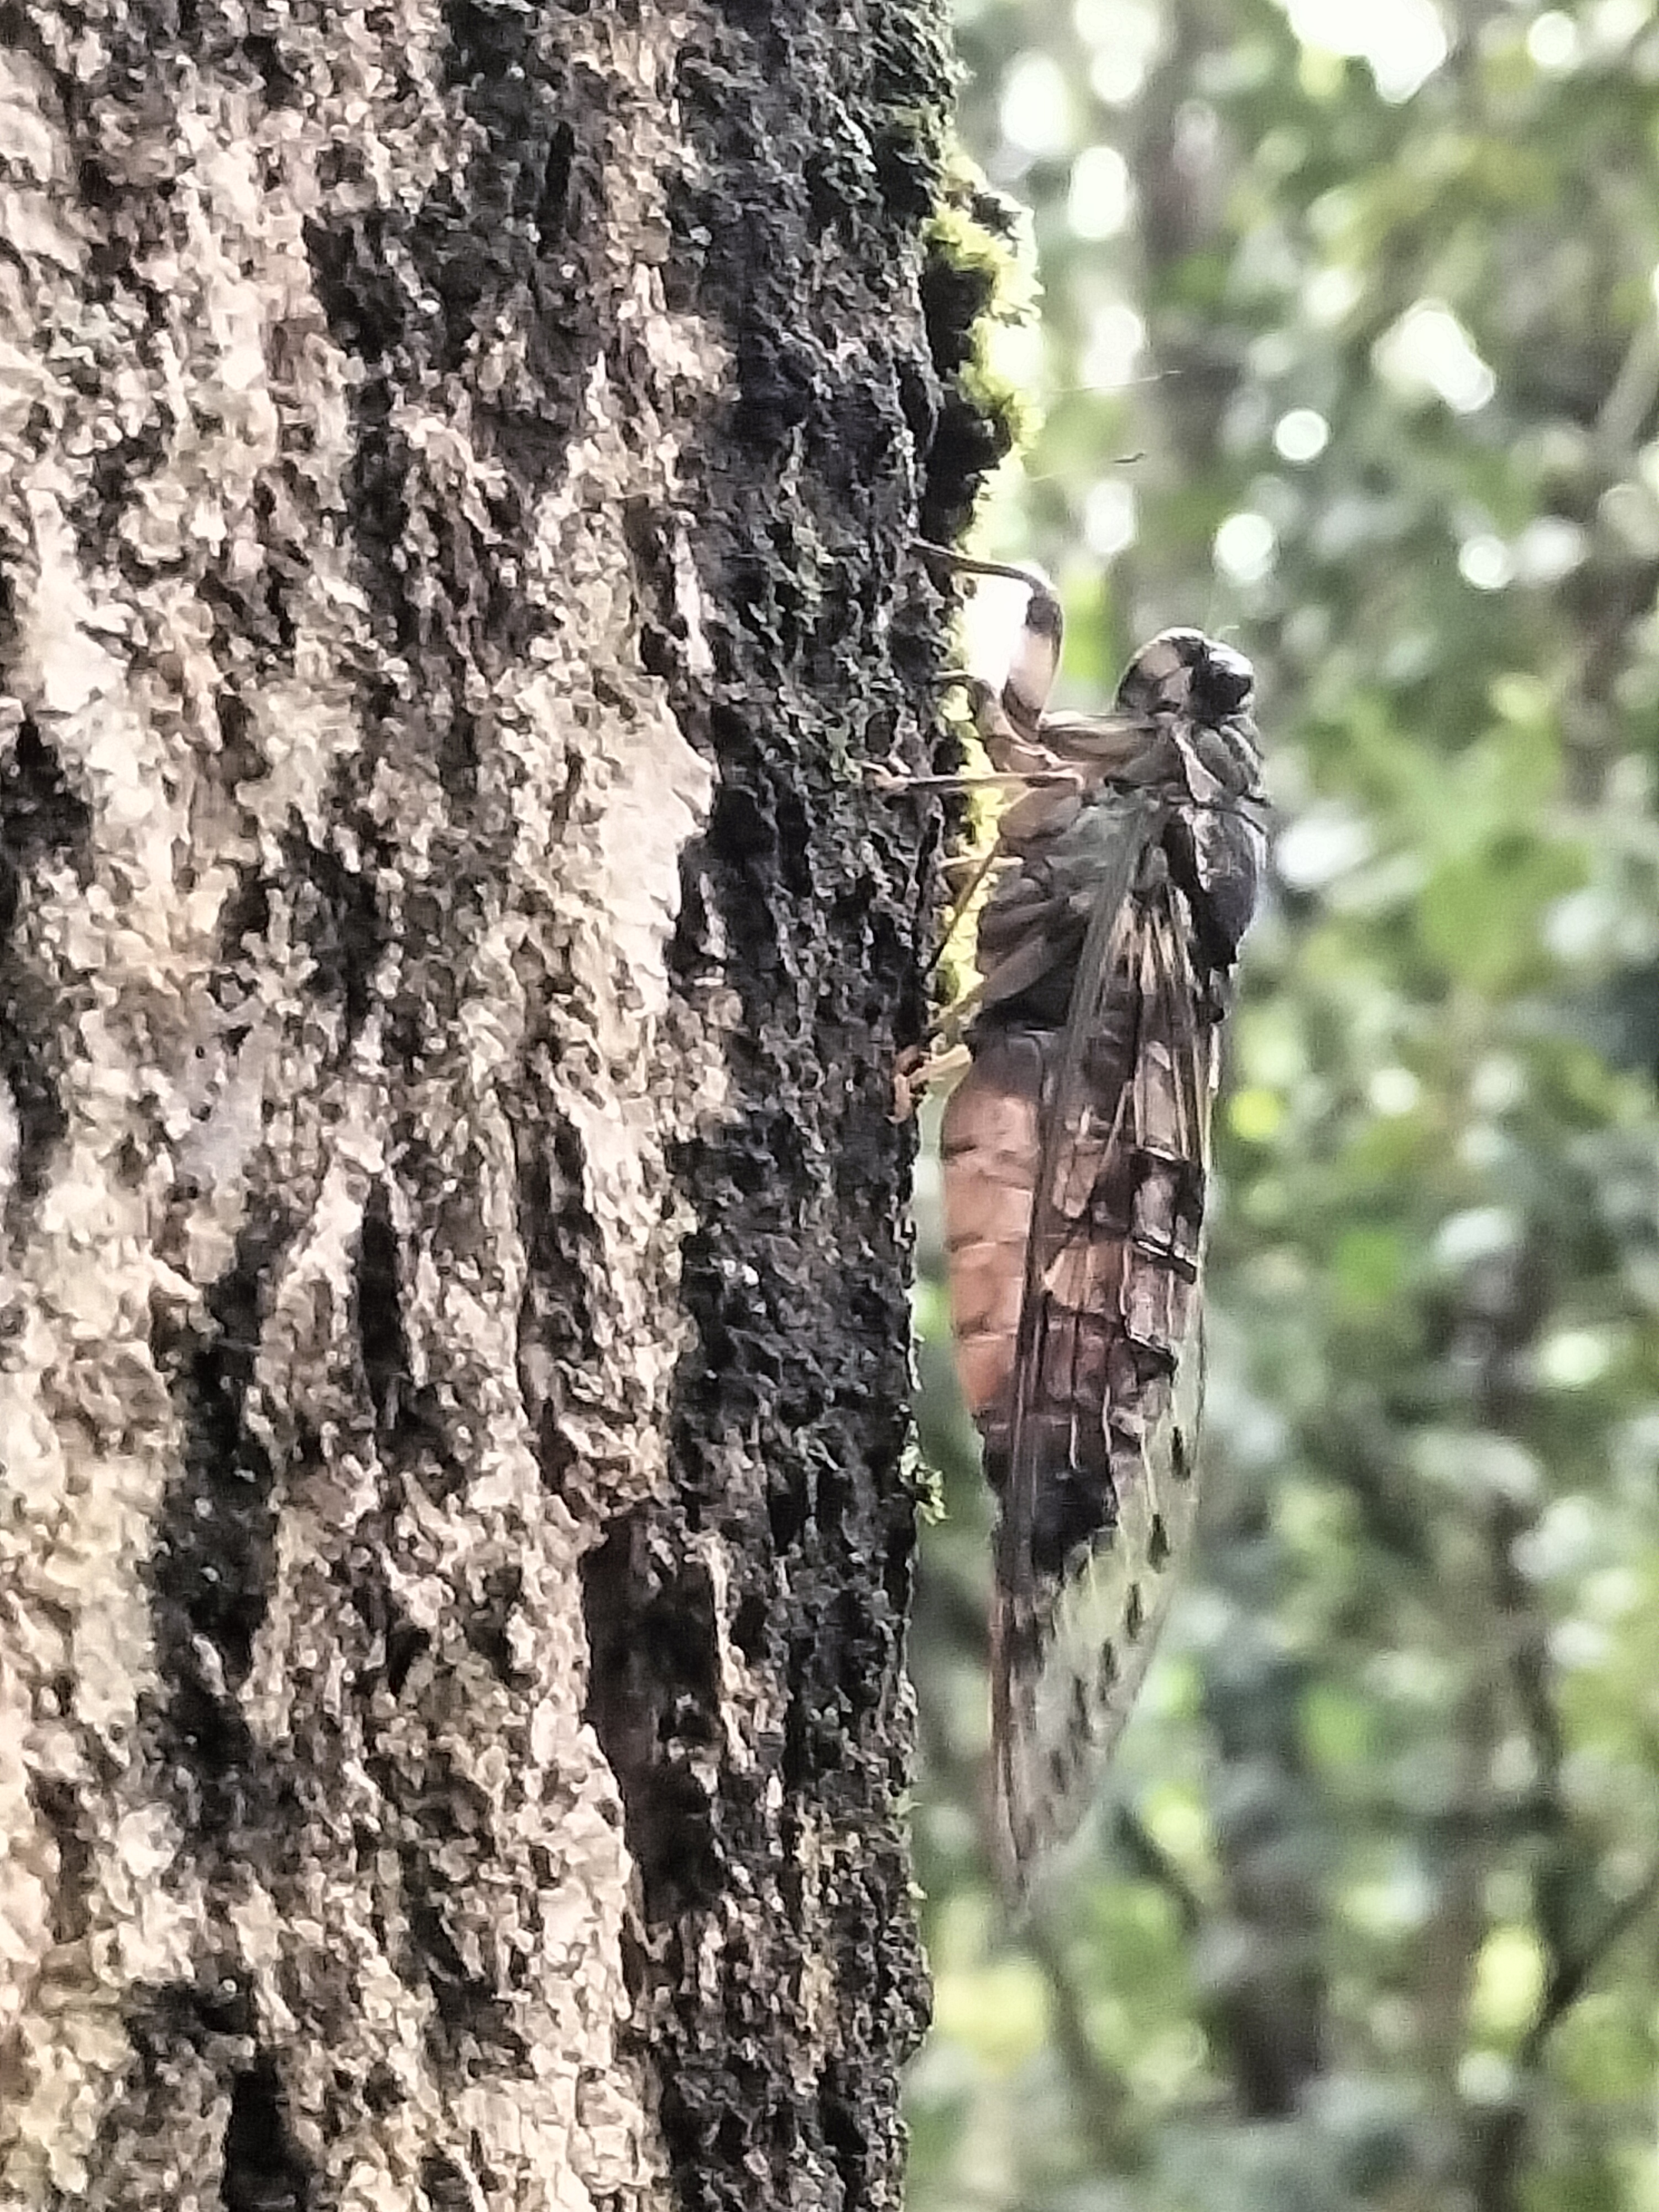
(1099, 1496)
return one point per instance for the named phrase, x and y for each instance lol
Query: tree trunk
(456, 469)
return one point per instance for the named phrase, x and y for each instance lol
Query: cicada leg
(979, 866)
(879, 776)
(1009, 722)
(1013, 771)
(947, 555)
(916, 1069)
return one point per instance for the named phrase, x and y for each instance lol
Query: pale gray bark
(455, 464)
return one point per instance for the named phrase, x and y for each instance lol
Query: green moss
(979, 276)
(980, 271)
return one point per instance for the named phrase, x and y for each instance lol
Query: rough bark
(456, 465)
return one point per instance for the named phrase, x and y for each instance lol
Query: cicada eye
(1222, 682)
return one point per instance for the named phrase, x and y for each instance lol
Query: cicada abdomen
(1075, 1152)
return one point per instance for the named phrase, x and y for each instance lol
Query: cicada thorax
(1075, 1168)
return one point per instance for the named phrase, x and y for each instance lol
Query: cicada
(1076, 1178)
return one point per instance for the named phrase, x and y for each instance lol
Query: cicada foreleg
(1008, 722)
(879, 776)
(977, 866)
(920, 1068)
(1016, 765)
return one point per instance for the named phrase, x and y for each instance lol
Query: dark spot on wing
(1082, 1710)
(1157, 1544)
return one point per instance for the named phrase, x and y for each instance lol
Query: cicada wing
(1098, 1498)
(1090, 1637)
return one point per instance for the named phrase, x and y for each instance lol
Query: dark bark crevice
(185, 2037)
(264, 2171)
(42, 818)
(652, 1697)
(211, 1569)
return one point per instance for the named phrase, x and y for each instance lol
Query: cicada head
(1199, 693)
(1183, 671)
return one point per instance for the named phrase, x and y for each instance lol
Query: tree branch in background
(1105, 2098)
(1148, 1857)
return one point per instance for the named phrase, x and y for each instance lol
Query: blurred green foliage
(1354, 356)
